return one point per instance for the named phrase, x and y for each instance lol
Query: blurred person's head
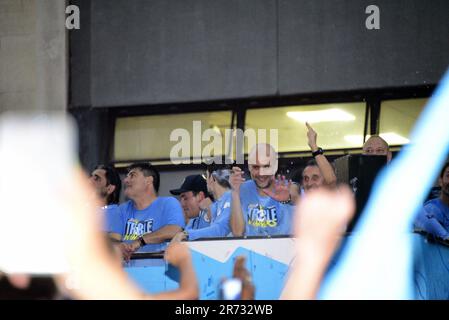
(107, 183)
(311, 176)
(27, 287)
(262, 164)
(192, 191)
(217, 174)
(375, 145)
(142, 179)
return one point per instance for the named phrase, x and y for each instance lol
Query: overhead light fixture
(328, 115)
(392, 138)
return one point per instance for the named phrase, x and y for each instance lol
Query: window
(339, 125)
(148, 137)
(397, 118)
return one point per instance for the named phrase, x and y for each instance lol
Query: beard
(264, 185)
(445, 190)
(103, 194)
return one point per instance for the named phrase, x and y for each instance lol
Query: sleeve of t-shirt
(114, 221)
(218, 228)
(173, 212)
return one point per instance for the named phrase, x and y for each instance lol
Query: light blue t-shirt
(262, 214)
(201, 221)
(105, 211)
(219, 227)
(131, 223)
(434, 218)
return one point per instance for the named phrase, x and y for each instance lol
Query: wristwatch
(186, 234)
(142, 241)
(317, 152)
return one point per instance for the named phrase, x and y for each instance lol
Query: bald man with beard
(262, 205)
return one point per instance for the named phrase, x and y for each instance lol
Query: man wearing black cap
(219, 187)
(194, 200)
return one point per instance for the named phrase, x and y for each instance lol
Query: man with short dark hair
(146, 218)
(434, 216)
(106, 181)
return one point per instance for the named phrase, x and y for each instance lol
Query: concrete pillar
(33, 55)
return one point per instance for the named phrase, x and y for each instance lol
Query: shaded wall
(149, 52)
(143, 53)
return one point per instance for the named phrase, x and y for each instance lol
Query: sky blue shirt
(104, 211)
(131, 223)
(262, 214)
(201, 221)
(434, 218)
(219, 227)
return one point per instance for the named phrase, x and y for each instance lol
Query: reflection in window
(148, 137)
(397, 118)
(339, 125)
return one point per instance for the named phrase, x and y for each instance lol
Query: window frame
(239, 108)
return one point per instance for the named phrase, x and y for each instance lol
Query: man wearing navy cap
(195, 201)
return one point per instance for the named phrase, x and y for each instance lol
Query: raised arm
(236, 221)
(205, 204)
(323, 164)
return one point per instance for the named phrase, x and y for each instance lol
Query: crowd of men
(219, 203)
(222, 203)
